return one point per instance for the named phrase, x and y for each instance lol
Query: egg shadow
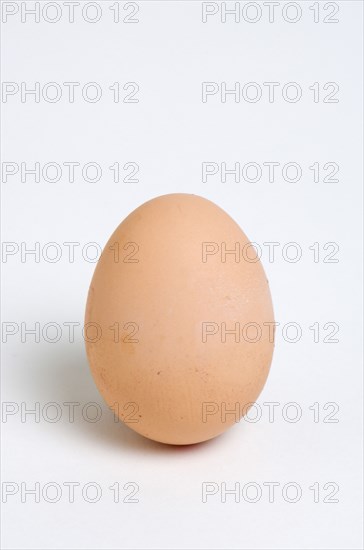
(61, 375)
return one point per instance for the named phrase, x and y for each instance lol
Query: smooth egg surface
(179, 321)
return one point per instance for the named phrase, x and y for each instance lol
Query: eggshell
(179, 321)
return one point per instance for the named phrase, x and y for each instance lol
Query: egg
(179, 324)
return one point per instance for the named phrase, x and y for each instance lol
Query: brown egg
(179, 321)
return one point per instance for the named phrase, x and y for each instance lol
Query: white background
(169, 133)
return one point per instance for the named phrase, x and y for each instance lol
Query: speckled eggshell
(163, 298)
